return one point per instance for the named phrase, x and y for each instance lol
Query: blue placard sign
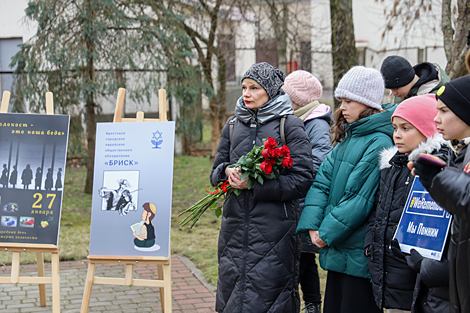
(424, 225)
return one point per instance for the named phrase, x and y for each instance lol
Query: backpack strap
(231, 124)
(281, 129)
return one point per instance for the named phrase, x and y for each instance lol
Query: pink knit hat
(420, 112)
(302, 87)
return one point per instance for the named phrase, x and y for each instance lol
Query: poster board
(15, 247)
(424, 225)
(163, 263)
(33, 151)
(133, 166)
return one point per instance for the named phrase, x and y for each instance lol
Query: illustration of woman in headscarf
(38, 179)
(13, 176)
(4, 178)
(27, 177)
(49, 180)
(146, 239)
(58, 181)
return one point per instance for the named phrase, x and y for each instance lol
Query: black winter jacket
(393, 281)
(431, 294)
(258, 249)
(451, 189)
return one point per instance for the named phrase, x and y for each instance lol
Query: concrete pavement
(190, 292)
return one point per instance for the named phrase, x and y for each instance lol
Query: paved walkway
(190, 293)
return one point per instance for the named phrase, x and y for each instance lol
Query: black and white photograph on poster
(33, 150)
(120, 191)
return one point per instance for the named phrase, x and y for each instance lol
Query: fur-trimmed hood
(431, 144)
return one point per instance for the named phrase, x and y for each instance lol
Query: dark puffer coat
(393, 281)
(258, 248)
(317, 128)
(431, 294)
(451, 189)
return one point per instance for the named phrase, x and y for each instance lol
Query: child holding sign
(415, 132)
(450, 185)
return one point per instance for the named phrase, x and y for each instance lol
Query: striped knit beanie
(362, 84)
(302, 87)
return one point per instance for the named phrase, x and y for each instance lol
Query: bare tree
(455, 24)
(455, 41)
(343, 43)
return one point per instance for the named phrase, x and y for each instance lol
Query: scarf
(304, 111)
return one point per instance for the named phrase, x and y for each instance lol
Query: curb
(198, 273)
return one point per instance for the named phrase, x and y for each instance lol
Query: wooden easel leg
(55, 282)
(162, 290)
(129, 274)
(15, 267)
(41, 273)
(88, 285)
(167, 284)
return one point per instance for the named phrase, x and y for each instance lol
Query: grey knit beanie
(268, 76)
(362, 84)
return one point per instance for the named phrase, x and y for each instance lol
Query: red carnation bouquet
(262, 162)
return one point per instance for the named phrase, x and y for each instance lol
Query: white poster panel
(132, 187)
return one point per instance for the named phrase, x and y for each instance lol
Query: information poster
(132, 187)
(423, 225)
(33, 151)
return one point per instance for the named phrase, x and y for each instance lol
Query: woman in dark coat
(258, 248)
(4, 178)
(14, 176)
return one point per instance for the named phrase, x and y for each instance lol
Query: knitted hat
(397, 72)
(420, 112)
(302, 87)
(269, 77)
(456, 96)
(362, 84)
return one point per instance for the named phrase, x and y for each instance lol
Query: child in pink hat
(393, 279)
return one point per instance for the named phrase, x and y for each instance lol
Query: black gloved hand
(395, 247)
(426, 173)
(414, 260)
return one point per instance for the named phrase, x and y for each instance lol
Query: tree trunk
(456, 63)
(343, 43)
(446, 26)
(222, 94)
(90, 110)
(280, 21)
(91, 131)
(215, 134)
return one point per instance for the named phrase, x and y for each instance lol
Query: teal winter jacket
(340, 200)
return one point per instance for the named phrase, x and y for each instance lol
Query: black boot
(312, 308)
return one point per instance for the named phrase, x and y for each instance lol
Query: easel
(18, 248)
(163, 263)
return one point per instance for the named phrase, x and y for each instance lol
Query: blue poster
(423, 225)
(132, 187)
